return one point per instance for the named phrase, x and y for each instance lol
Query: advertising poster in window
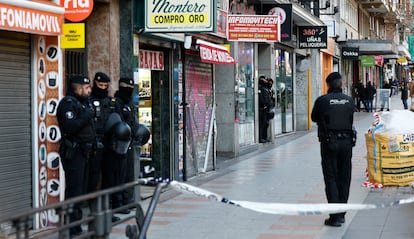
(48, 92)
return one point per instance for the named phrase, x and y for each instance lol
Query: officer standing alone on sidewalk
(334, 115)
(75, 117)
(264, 109)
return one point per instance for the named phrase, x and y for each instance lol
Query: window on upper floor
(350, 13)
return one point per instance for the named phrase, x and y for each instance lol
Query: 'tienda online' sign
(179, 15)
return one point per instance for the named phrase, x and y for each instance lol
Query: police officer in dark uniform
(334, 115)
(264, 109)
(75, 117)
(103, 105)
(129, 115)
(114, 167)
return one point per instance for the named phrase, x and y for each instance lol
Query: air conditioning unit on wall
(341, 34)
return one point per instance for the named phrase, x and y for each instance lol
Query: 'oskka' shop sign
(313, 37)
(179, 15)
(350, 53)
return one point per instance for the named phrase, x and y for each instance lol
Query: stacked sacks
(390, 149)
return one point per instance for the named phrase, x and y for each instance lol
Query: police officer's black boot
(332, 222)
(115, 218)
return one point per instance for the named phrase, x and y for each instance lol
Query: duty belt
(70, 144)
(341, 135)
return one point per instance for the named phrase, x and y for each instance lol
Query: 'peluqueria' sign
(179, 15)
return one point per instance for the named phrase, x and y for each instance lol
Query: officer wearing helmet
(140, 133)
(117, 143)
(334, 115)
(75, 117)
(103, 105)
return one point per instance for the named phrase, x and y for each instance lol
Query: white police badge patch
(69, 115)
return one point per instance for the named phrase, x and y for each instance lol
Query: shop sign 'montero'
(255, 28)
(25, 19)
(314, 37)
(180, 16)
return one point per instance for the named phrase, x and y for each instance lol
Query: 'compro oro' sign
(179, 15)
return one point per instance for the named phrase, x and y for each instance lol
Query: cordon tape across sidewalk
(277, 208)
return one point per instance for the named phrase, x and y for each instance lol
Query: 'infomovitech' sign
(179, 15)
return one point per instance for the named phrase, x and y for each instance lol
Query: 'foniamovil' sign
(179, 15)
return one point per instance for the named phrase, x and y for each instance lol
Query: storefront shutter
(199, 97)
(15, 123)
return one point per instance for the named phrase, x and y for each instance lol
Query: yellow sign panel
(165, 19)
(402, 60)
(73, 35)
(227, 46)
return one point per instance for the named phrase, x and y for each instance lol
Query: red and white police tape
(368, 184)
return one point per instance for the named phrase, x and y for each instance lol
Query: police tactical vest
(338, 110)
(103, 110)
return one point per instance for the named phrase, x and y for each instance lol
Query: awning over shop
(213, 53)
(403, 51)
(37, 17)
(373, 47)
(303, 17)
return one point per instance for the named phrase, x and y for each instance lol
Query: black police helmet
(122, 131)
(120, 137)
(117, 134)
(142, 134)
(112, 120)
(101, 77)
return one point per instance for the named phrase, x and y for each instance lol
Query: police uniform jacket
(75, 119)
(334, 113)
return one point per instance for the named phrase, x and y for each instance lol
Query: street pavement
(287, 171)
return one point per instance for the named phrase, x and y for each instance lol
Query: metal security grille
(199, 98)
(15, 123)
(75, 63)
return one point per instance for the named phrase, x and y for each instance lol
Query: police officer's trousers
(336, 167)
(128, 194)
(95, 169)
(113, 174)
(263, 125)
(76, 181)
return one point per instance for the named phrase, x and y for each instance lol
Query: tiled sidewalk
(288, 173)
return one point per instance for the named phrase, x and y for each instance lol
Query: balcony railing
(376, 6)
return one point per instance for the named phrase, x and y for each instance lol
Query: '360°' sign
(179, 15)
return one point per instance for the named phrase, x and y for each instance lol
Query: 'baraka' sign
(153, 60)
(179, 15)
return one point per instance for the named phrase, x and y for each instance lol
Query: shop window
(245, 93)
